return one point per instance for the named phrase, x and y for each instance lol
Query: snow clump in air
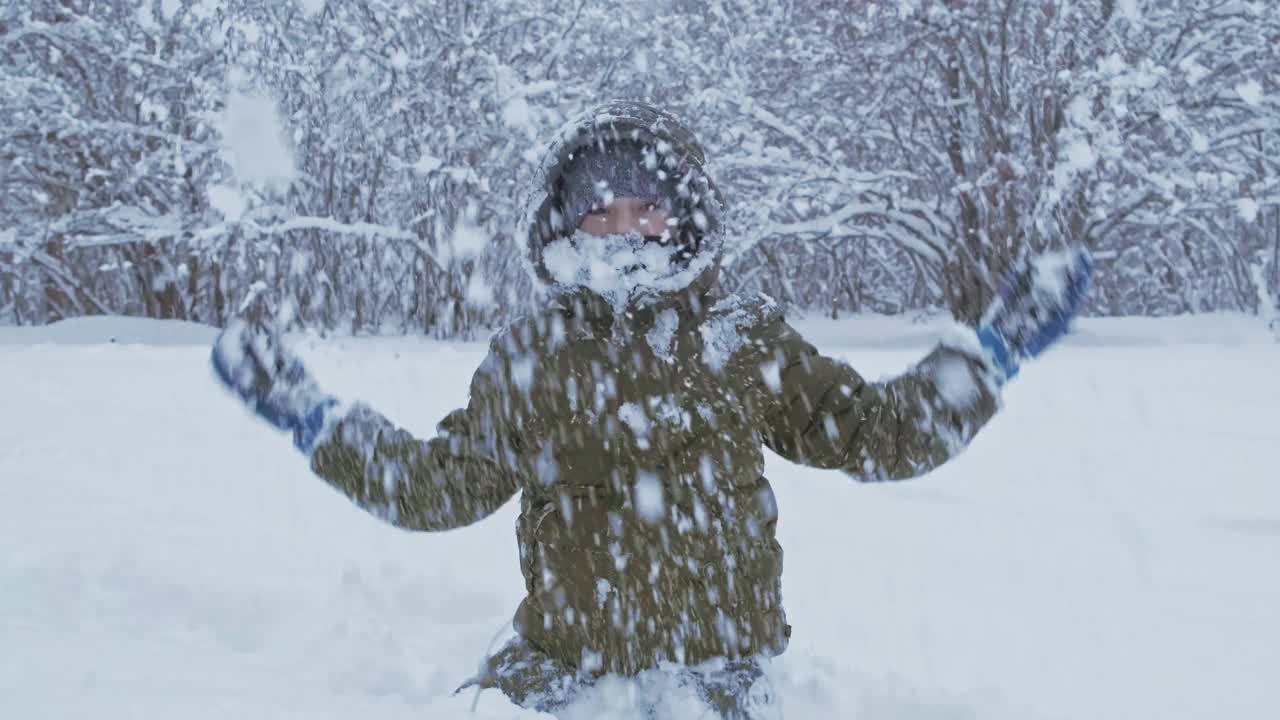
(648, 497)
(635, 418)
(255, 141)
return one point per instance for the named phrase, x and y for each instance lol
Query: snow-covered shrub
(366, 160)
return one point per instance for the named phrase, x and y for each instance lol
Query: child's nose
(627, 218)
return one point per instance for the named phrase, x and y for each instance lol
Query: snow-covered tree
(107, 153)
(363, 162)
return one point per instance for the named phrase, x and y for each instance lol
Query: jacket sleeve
(459, 477)
(820, 412)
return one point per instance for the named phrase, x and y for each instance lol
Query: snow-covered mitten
(1034, 308)
(251, 360)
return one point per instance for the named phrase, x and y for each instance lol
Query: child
(630, 415)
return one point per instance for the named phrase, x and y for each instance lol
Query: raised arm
(462, 475)
(825, 415)
(822, 413)
(454, 479)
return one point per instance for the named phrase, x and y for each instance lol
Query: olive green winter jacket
(635, 438)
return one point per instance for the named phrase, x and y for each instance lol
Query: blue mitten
(252, 362)
(1035, 308)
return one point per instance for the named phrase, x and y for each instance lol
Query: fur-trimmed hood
(679, 156)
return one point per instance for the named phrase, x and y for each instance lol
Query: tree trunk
(59, 302)
(1275, 259)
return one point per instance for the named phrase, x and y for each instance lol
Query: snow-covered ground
(1107, 548)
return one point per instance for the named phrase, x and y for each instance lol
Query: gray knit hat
(597, 173)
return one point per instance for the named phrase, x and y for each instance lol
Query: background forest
(363, 162)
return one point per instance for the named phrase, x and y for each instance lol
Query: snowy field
(1109, 546)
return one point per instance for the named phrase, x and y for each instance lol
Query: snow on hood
(619, 268)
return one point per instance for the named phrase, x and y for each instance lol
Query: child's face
(624, 215)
